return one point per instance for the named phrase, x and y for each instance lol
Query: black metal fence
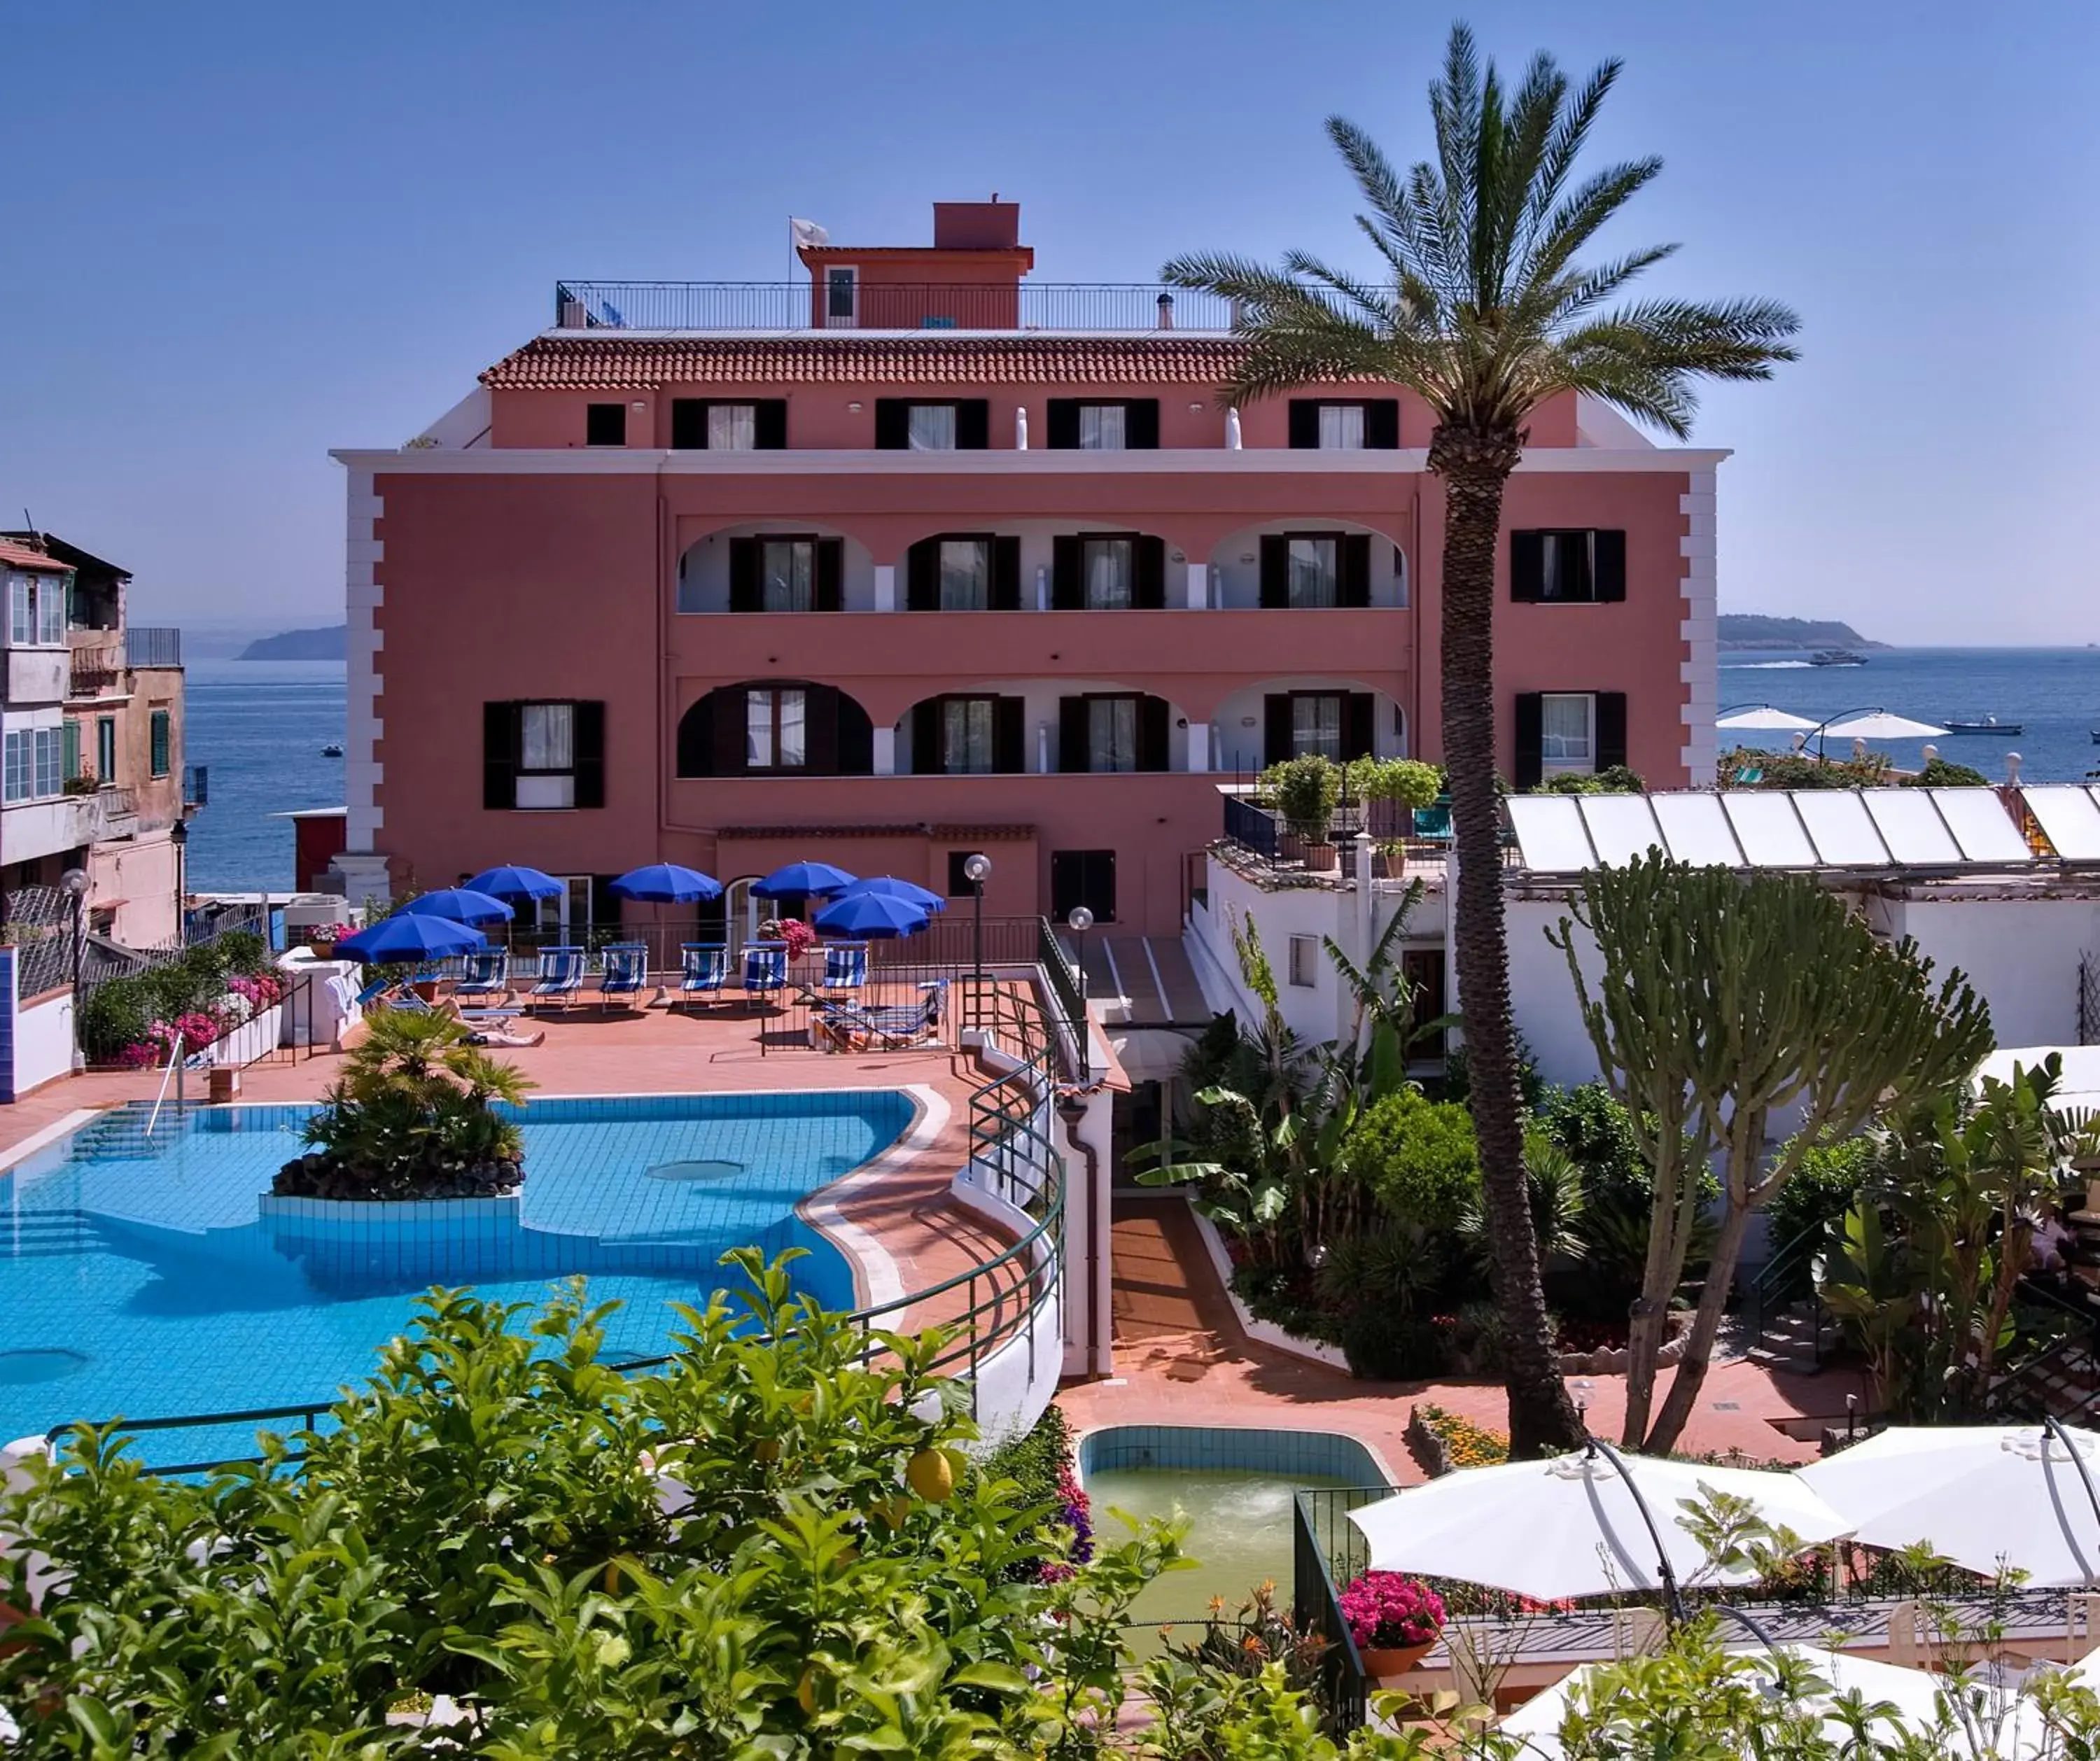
(145, 646)
(1254, 823)
(1100, 306)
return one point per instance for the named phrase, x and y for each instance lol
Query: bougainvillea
(1390, 1610)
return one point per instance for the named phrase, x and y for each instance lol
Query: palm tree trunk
(1474, 467)
(1705, 1328)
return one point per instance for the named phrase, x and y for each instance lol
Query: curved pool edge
(876, 1278)
(1246, 1455)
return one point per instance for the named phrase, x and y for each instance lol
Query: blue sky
(245, 234)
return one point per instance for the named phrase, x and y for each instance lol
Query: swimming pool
(148, 1279)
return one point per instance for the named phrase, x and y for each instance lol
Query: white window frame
(35, 611)
(1305, 962)
(31, 764)
(546, 787)
(1341, 427)
(738, 432)
(849, 320)
(1566, 763)
(771, 714)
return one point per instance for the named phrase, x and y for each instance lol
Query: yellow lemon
(805, 1691)
(931, 1475)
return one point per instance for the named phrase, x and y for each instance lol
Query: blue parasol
(888, 886)
(667, 883)
(865, 916)
(412, 936)
(461, 904)
(516, 883)
(803, 879)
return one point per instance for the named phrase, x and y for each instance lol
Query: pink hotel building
(924, 558)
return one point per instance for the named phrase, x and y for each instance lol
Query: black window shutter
(744, 593)
(1068, 569)
(732, 751)
(1152, 734)
(1073, 744)
(893, 424)
(972, 424)
(922, 576)
(1354, 587)
(605, 424)
(769, 425)
(1530, 766)
(1061, 424)
(1008, 736)
(1276, 729)
(1611, 729)
(856, 737)
(927, 758)
(1382, 424)
(1527, 565)
(1148, 581)
(1359, 724)
(820, 709)
(604, 903)
(499, 755)
(1141, 425)
(1611, 565)
(1275, 571)
(688, 424)
(1305, 423)
(830, 573)
(1005, 594)
(696, 737)
(589, 734)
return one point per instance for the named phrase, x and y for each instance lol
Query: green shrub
(1456, 1082)
(1801, 771)
(1939, 773)
(1418, 1157)
(1614, 779)
(117, 1013)
(1306, 791)
(1408, 781)
(1591, 1125)
(1821, 1190)
(244, 951)
(1383, 1345)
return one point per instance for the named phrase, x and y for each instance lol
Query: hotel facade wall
(554, 576)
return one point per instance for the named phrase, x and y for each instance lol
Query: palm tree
(1481, 307)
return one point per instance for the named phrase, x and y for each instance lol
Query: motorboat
(334, 749)
(1837, 657)
(1989, 724)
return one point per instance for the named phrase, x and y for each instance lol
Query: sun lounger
(706, 971)
(892, 1028)
(409, 1003)
(561, 978)
(845, 968)
(1433, 824)
(765, 969)
(486, 974)
(625, 974)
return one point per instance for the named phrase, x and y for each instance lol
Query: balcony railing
(196, 785)
(146, 646)
(1102, 307)
(1260, 830)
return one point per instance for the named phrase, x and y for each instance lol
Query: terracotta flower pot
(1320, 858)
(1394, 1659)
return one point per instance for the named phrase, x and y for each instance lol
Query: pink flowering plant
(1390, 1611)
(798, 935)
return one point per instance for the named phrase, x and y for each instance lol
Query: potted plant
(1393, 1618)
(1307, 790)
(1409, 784)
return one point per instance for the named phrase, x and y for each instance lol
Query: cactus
(1715, 1000)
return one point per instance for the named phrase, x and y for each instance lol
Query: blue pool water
(145, 1279)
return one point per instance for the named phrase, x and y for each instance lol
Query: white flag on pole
(808, 234)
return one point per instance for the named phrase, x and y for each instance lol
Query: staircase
(28, 1234)
(120, 1135)
(1792, 1339)
(1787, 1328)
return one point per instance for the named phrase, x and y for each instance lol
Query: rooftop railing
(146, 646)
(1098, 306)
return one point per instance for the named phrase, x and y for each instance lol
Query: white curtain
(794, 739)
(1341, 427)
(1109, 568)
(732, 427)
(550, 738)
(1316, 727)
(1314, 576)
(787, 575)
(758, 731)
(1102, 427)
(1565, 732)
(932, 428)
(965, 575)
(1112, 734)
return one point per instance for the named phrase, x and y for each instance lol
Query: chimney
(1167, 311)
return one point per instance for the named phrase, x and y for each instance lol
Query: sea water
(2053, 693)
(258, 727)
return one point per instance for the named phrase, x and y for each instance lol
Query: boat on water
(1837, 657)
(332, 750)
(1989, 724)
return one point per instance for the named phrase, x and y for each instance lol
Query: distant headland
(1744, 629)
(328, 644)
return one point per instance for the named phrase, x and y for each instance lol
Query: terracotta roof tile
(644, 363)
(21, 556)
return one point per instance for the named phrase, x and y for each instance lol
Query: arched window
(775, 727)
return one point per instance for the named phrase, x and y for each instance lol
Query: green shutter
(72, 750)
(159, 726)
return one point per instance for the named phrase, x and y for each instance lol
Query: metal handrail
(174, 1064)
(1001, 1137)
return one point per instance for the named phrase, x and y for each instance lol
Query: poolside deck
(1182, 1358)
(905, 1210)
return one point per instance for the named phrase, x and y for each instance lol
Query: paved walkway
(1182, 1358)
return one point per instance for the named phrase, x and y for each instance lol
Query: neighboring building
(91, 712)
(921, 558)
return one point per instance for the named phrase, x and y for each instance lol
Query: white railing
(172, 1073)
